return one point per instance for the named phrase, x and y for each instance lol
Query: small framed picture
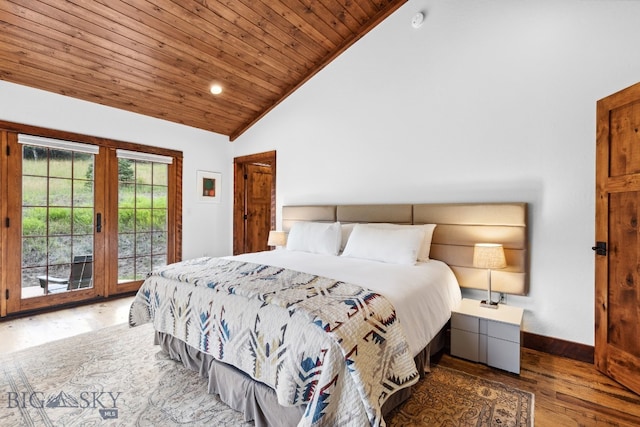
(208, 186)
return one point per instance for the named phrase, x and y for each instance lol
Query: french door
(83, 221)
(54, 222)
(140, 229)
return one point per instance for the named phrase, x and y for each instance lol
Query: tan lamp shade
(489, 255)
(277, 238)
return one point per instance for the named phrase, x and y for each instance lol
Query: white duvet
(423, 294)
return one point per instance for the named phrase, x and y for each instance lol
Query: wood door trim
(4, 144)
(601, 232)
(268, 158)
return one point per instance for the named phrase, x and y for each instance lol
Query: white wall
(488, 101)
(206, 227)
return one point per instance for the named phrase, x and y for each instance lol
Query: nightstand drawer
(503, 354)
(464, 322)
(504, 331)
(465, 344)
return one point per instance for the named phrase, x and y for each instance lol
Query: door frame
(4, 146)
(239, 196)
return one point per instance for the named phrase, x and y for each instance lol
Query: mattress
(422, 294)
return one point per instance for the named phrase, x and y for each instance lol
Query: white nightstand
(486, 335)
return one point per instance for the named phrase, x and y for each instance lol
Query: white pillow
(346, 232)
(392, 245)
(425, 247)
(315, 237)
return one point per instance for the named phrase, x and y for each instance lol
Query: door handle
(98, 223)
(600, 248)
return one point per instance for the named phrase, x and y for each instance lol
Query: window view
(57, 217)
(142, 215)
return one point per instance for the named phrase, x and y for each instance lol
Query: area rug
(447, 397)
(116, 377)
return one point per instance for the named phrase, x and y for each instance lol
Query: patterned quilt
(332, 346)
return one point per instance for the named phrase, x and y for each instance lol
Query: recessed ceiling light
(216, 89)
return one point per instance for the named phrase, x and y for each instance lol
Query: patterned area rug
(447, 397)
(117, 377)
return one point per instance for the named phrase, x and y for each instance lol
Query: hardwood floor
(23, 332)
(567, 392)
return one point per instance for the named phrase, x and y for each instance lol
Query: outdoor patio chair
(80, 276)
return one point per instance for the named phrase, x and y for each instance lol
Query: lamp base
(489, 304)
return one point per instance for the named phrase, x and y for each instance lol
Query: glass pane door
(142, 218)
(57, 220)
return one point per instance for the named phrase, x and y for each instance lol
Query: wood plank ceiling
(160, 57)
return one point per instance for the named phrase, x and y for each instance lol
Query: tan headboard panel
(460, 227)
(291, 214)
(397, 214)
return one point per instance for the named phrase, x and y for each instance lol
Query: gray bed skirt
(256, 400)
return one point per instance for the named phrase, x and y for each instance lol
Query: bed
(335, 328)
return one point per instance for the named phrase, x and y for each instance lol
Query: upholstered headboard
(460, 227)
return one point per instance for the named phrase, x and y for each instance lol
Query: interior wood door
(254, 202)
(617, 272)
(258, 207)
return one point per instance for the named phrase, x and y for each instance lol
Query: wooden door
(52, 224)
(617, 272)
(254, 202)
(258, 207)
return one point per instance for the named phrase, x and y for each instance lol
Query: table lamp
(277, 238)
(489, 256)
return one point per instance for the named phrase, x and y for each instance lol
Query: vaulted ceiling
(160, 57)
